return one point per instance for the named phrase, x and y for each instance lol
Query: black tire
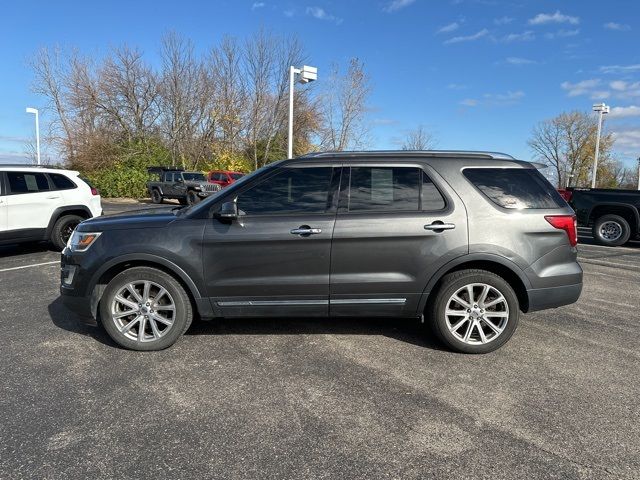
(611, 230)
(63, 229)
(156, 196)
(181, 317)
(450, 284)
(192, 197)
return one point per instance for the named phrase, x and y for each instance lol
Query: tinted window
(20, 182)
(384, 188)
(431, 197)
(236, 176)
(61, 182)
(193, 177)
(168, 177)
(303, 190)
(515, 187)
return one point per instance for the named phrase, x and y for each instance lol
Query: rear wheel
(156, 196)
(63, 229)
(611, 230)
(474, 311)
(145, 309)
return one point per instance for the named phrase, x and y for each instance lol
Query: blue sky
(478, 73)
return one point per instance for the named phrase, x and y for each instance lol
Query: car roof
(39, 168)
(409, 153)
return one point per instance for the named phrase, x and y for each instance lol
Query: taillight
(94, 191)
(567, 223)
(566, 194)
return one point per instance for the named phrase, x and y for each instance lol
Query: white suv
(38, 204)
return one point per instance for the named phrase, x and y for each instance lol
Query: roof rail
(412, 153)
(26, 165)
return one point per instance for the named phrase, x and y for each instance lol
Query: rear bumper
(553, 297)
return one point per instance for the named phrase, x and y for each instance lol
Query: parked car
(464, 240)
(224, 178)
(187, 187)
(43, 204)
(612, 214)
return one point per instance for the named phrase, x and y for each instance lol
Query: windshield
(193, 177)
(236, 176)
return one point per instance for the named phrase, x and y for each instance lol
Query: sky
(479, 74)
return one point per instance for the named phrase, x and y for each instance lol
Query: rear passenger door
(31, 201)
(396, 226)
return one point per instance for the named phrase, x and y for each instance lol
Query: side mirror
(228, 211)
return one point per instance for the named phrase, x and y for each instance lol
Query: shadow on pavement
(65, 319)
(404, 330)
(25, 248)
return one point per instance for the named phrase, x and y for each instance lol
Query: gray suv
(463, 240)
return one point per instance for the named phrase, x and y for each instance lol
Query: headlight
(81, 241)
(197, 187)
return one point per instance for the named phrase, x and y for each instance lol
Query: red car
(223, 177)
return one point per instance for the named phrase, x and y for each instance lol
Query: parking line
(29, 266)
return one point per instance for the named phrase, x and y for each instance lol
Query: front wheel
(474, 311)
(192, 197)
(611, 230)
(145, 309)
(156, 196)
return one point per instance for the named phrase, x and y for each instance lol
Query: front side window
(22, 182)
(292, 190)
(193, 177)
(515, 188)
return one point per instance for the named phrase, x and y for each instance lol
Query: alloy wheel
(477, 314)
(611, 231)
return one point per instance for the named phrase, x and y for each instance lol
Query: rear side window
(23, 182)
(392, 189)
(61, 182)
(515, 188)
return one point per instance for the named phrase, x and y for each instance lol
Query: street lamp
(638, 173)
(35, 112)
(306, 74)
(602, 109)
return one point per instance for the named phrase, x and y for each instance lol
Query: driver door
(274, 259)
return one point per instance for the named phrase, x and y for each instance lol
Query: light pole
(638, 173)
(35, 112)
(307, 74)
(602, 109)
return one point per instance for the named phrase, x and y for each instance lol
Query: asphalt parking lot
(302, 398)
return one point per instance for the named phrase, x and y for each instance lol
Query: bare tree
(567, 143)
(345, 107)
(419, 139)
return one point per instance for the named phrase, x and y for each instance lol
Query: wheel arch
(499, 265)
(625, 210)
(80, 210)
(109, 270)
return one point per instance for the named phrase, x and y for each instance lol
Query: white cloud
(620, 27)
(495, 99)
(321, 14)
(617, 69)
(622, 112)
(396, 5)
(456, 86)
(449, 28)
(557, 17)
(627, 140)
(468, 38)
(562, 34)
(503, 20)
(519, 61)
(580, 88)
(519, 37)
(257, 5)
(289, 13)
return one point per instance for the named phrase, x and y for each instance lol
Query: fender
(626, 206)
(156, 187)
(146, 257)
(58, 212)
(472, 257)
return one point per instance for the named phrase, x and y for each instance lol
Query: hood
(144, 218)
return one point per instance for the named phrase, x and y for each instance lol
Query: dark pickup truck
(187, 187)
(613, 214)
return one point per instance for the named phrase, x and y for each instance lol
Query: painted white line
(28, 266)
(602, 263)
(613, 250)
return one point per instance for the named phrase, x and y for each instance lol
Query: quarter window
(61, 182)
(22, 182)
(292, 190)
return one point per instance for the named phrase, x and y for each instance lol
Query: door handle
(305, 230)
(439, 226)
(53, 198)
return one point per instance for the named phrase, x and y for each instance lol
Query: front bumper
(73, 287)
(553, 297)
